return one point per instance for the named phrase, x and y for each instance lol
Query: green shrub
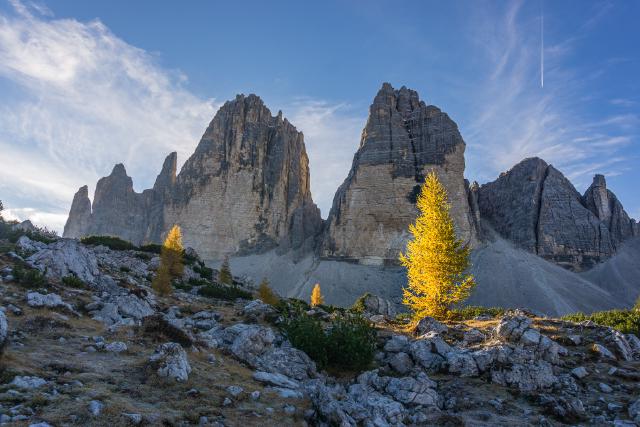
(351, 343)
(73, 282)
(125, 269)
(153, 248)
(230, 293)
(473, 311)
(292, 307)
(28, 276)
(189, 259)
(625, 321)
(112, 242)
(204, 271)
(40, 234)
(305, 333)
(358, 307)
(198, 282)
(143, 256)
(179, 284)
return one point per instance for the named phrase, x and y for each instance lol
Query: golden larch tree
(266, 294)
(316, 296)
(171, 262)
(436, 260)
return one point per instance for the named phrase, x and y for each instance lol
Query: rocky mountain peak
(402, 141)
(167, 176)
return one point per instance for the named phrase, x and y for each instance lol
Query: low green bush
(292, 307)
(114, 243)
(349, 344)
(125, 269)
(230, 293)
(73, 282)
(358, 307)
(28, 276)
(179, 284)
(153, 248)
(305, 333)
(625, 321)
(199, 282)
(472, 311)
(204, 271)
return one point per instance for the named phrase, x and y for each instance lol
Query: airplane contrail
(541, 44)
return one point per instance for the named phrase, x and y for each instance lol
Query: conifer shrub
(625, 321)
(358, 306)
(28, 276)
(112, 242)
(73, 281)
(305, 333)
(351, 343)
(194, 281)
(204, 271)
(224, 292)
(162, 282)
(348, 345)
(473, 311)
(153, 248)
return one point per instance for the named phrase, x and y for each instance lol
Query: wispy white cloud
(513, 118)
(85, 100)
(332, 135)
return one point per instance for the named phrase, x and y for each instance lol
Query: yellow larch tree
(436, 260)
(171, 262)
(225, 272)
(316, 296)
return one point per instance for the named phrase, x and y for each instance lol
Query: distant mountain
(244, 193)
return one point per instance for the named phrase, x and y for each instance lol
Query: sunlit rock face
(246, 187)
(536, 207)
(403, 140)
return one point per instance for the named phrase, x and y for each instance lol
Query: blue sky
(88, 84)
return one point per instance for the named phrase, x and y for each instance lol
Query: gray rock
(95, 407)
(4, 330)
(171, 362)
(621, 346)
(401, 363)
(580, 372)
(28, 383)
(511, 327)
(396, 343)
(634, 343)
(376, 306)
(135, 419)
(116, 347)
(257, 309)
(429, 324)
(602, 351)
(234, 390)
(531, 376)
(422, 354)
(277, 380)
(462, 363)
(66, 257)
(538, 209)
(404, 138)
(473, 336)
(605, 388)
(634, 411)
(38, 300)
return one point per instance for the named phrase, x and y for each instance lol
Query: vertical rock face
(606, 206)
(118, 210)
(403, 140)
(80, 215)
(246, 187)
(536, 207)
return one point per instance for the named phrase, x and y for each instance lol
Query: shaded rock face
(246, 187)
(538, 209)
(118, 210)
(403, 140)
(606, 206)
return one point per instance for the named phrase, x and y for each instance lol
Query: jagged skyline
(65, 110)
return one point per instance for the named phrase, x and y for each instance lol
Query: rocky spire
(167, 176)
(537, 208)
(606, 206)
(402, 141)
(79, 220)
(246, 187)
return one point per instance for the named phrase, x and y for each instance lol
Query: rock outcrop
(537, 208)
(118, 210)
(606, 206)
(403, 140)
(246, 187)
(244, 190)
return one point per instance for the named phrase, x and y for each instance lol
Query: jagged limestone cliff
(402, 141)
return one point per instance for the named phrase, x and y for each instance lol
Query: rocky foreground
(102, 349)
